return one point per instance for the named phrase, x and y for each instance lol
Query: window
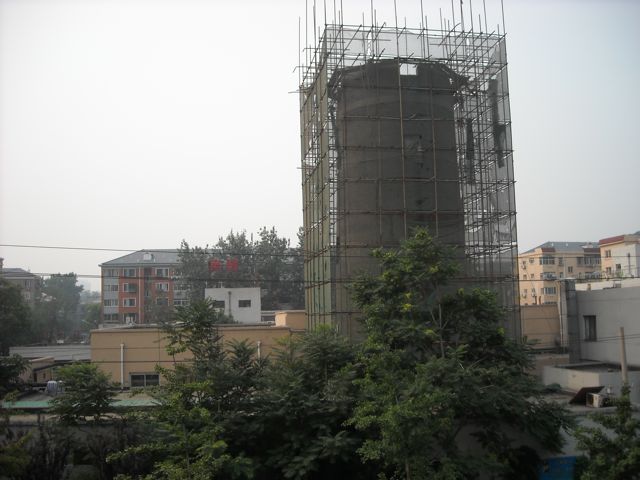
(180, 302)
(162, 301)
(607, 254)
(110, 317)
(110, 302)
(560, 261)
(569, 269)
(561, 275)
(128, 272)
(549, 291)
(547, 260)
(111, 288)
(145, 379)
(162, 272)
(110, 272)
(162, 287)
(531, 260)
(608, 270)
(244, 303)
(590, 334)
(179, 287)
(218, 304)
(130, 317)
(618, 267)
(129, 302)
(129, 287)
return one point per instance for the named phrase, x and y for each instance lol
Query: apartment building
(140, 287)
(27, 281)
(542, 266)
(621, 256)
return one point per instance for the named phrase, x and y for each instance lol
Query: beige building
(542, 266)
(621, 256)
(130, 353)
(27, 281)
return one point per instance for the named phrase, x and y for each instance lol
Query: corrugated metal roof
(564, 246)
(146, 257)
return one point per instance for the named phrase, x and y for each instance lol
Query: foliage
(268, 262)
(445, 393)
(15, 317)
(230, 414)
(10, 370)
(306, 396)
(193, 269)
(49, 452)
(613, 453)
(92, 316)
(56, 309)
(87, 393)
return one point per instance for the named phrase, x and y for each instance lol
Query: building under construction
(403, 128)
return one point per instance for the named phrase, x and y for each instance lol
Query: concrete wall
(233, 298)
(541, 323)
(573, 379)
(145, 347)
(296, 319)
(613, 308)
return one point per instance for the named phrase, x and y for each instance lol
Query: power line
(221, 250)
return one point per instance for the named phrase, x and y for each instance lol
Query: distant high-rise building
(405, 128)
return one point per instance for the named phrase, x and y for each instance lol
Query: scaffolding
(403, 128)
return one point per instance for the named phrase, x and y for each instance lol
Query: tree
(92, 316)
(445, 394)
(193, 270)
(304, 398)
(239, 261)
(87, 394)
(15, 317)
(10, 370)
(56, 310)
(613, 453)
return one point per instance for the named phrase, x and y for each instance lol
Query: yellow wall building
(130, 354)
(541, 267)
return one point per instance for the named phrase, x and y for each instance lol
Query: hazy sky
(135, 124)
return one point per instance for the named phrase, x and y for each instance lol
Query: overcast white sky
(136, 124)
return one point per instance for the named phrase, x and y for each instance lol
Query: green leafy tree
(87, 394)
(56, 309)
(613, 452)
(15, 317)
(92, 316)
(239, 261)
(305, 397)
(198, 398)
(445, 394)
(10, 370)
(193, 270)
(14, 457)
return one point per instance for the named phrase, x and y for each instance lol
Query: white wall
(232, 298)
(627, 256)
(574, 379)
(613, 308)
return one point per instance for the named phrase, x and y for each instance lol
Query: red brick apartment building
(138, 287)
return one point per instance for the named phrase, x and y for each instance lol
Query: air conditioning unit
(596, 400)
